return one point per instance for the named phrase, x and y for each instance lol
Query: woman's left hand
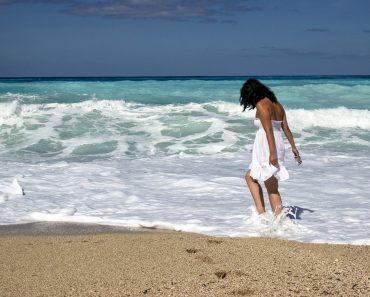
(273, 159)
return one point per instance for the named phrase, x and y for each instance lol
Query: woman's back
(277, 112)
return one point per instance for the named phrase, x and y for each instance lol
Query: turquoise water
(171, 153)
(61, 118)
(295, 92)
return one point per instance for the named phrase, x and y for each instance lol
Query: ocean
(171, 153)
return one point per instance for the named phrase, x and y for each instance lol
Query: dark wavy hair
(253, 91)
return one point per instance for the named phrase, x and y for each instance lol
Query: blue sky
(172, 37)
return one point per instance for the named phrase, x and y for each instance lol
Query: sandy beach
(155, 263)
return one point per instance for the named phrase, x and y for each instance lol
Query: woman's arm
(264, 112)
(289, 135)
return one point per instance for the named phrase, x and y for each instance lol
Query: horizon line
(180, 76)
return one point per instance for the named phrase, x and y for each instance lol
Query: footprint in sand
(214, 241)
(202, 258)
(192, 251)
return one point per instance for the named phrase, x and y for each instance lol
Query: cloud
(181, 10)
(316, 30)
(279, 52)
(202, 10)
(61, 2)
(293, 51)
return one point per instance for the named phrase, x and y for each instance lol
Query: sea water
(171, 153)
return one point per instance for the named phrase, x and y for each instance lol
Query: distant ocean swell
(294, 92)
(119, 128)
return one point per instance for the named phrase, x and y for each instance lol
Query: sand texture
(178, 264)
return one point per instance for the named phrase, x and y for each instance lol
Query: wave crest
(108, 127)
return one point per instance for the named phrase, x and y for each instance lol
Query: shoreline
(145, 262)
(64, 228)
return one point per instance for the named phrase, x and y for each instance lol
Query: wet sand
(112, 262)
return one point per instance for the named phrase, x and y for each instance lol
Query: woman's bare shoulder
(279, 110)
(264, 108)
(264, 103)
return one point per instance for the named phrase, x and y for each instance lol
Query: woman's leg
(274, 195)
(256, 192)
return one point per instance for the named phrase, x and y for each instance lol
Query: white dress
(260, 167)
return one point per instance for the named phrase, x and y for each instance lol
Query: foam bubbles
(7, 110)
(171, 154)
(334, 118)
(11, 191)
(116, 128)
(196, 193)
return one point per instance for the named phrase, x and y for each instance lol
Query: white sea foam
(204, 194)
(120, 128)
(7, 110)
(334, 118)
(11, 190)
(10, 97)
(173, 156)
(303, 118)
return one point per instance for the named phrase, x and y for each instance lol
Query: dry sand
(178, 264)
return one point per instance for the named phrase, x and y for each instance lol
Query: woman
(267, 164)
